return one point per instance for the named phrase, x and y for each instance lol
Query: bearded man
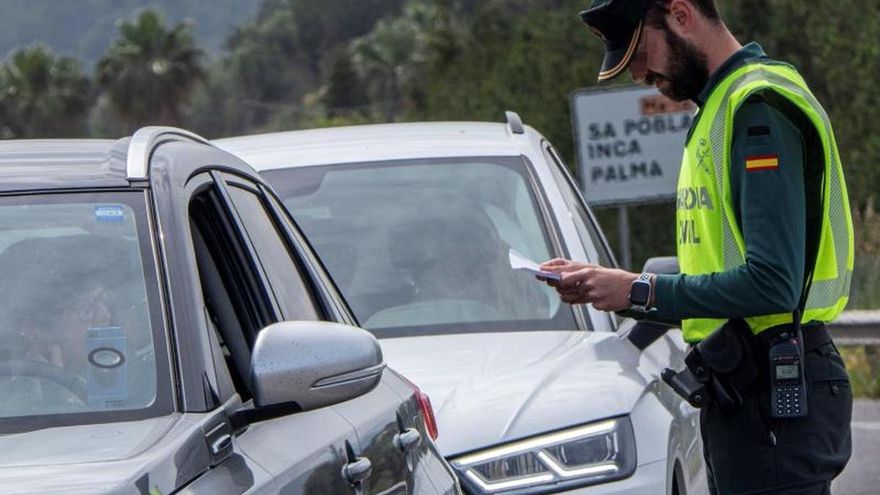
(766, 255)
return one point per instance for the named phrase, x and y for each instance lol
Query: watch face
(639, 293)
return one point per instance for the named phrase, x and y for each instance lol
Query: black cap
(619, 24)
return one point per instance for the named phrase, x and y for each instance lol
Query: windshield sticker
(107, 372)
(109, 213)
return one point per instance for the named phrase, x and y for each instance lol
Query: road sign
(629, 144)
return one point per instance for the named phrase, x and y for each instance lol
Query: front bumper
(649, 479)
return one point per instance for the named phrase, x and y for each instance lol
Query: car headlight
(589, 454)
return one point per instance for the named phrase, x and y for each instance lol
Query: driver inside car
(56, 312)
(58, 336)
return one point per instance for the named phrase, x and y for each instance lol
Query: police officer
(763, 230)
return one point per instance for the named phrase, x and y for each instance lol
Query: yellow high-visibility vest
(713, 242)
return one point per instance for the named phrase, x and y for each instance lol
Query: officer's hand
(606, 288)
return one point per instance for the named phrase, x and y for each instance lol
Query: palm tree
(149, 73)
(388, 57)
(43, 96)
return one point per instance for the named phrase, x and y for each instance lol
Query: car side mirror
(300, 366)
(667, 265)
(645, 333)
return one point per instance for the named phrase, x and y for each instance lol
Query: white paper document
(520, 262)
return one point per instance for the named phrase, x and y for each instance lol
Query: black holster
(720, 369)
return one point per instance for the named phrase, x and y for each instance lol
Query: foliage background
(291, 64)
(83, 29)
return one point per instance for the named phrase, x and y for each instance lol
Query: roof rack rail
(514, 122)
(145, 140)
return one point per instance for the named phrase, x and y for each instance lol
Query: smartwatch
(640, 292)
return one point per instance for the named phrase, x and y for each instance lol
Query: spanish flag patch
(762, 162)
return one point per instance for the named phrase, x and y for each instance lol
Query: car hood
(103, 458)
(491, 388)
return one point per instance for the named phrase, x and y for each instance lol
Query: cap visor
(616, 61)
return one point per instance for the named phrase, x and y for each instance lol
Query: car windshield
(421, 246)
(81, 341)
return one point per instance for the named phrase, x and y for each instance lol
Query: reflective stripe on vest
(708, 236)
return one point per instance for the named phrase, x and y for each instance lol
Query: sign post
(629, 144)
(623, 235)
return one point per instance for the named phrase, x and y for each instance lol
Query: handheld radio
(788, 387)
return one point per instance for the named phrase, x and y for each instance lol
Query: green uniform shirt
(770, 210)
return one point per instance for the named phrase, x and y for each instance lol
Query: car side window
(292, 292)
(237, 302)
(583, 219)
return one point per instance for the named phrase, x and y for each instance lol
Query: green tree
(42, 96)
(389, 59)
(84, 28)
(149, 73)
(345, 93)
(524, 56)
(279, 65)
(324, 25)
(263, 75)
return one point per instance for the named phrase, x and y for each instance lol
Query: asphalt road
(862, 476)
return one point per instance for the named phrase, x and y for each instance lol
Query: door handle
(357, 471)
(408, 439)
(221, 444)
(219, 440)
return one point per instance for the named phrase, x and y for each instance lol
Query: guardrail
(856, 328)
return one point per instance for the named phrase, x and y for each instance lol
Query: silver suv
(165, 329)
(415, 223)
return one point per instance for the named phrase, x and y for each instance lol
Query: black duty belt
(732, 363)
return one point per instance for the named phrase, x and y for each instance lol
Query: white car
(414, 222)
